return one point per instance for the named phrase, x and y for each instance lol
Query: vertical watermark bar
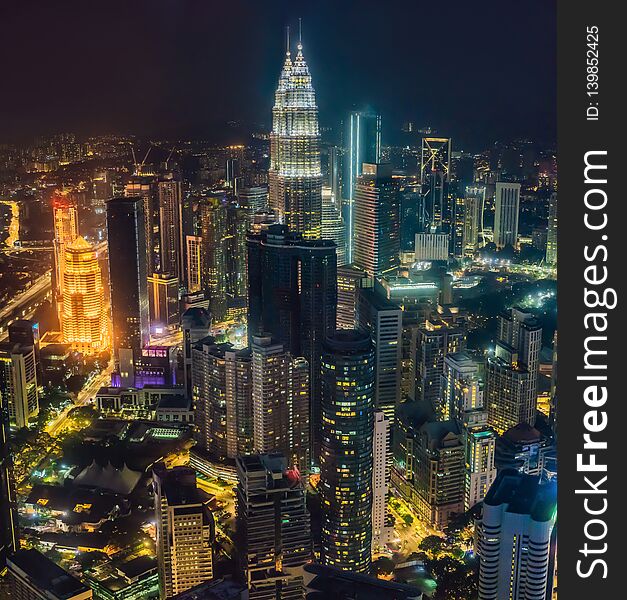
(591, 402)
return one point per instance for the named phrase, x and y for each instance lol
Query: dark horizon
(164, 68)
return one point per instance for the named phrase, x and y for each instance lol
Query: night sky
(478, 71)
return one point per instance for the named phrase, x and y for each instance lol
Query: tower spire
(300, 33)
(287, 40)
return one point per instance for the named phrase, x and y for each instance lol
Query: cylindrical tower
(346, 460)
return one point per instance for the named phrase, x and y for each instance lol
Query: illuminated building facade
(516, 538)
(363, 145)
(295, 175)
(84, 319)
(346, 457)
(19, 382)
(512, 371)
(506, 214)
(292, 295)
(65, 217)
(185, 531)
(333, 224)
(8, 500)
(280, 402)
(473, 225)
(432, 343)
(349, 280)
(461, 389)
(551, 239)
(376, 229)
(273, 527)
(435, 166)
(222, 395)
(480, 465)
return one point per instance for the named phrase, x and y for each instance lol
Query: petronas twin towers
(295, 176)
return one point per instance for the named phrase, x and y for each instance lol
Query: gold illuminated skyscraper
(295, 176)
(65, 217)
(84, 319)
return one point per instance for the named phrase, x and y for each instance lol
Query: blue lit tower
(363, 145)
(295, 175)
(346, 456)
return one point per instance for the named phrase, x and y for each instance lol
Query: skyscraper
(381, 463)
(85, 322)
(333, 227)
(461, 388)
(515, 538)
(65, 215)
(8, 501)
(435, 166)
(346, 458)
(512, 372)
(473, 226)
(376, 228)
(551, 240)
(383, 321)
(430, 345)
(212, 224)
(19, 382)
(506, 213)
(208, 372)
(128, 281)
(480, 466)
(280, 402)
(295, 174)
(292, 295)
(185, 530)
(272, 526)
(349, 280)
(363, 145)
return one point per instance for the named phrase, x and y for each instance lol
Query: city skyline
(289, 365)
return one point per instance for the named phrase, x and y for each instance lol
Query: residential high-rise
(480, 466)
(280, 402)
(65, 216)
(515, 538)
(333, 224)
(376, 228)
(381, 463)
(458, 225)
(274, 539)
(169, 198)
(33, 576)
(222, 396)
(473, 225)
(128, 280)
(512, 371)
(185, 530)
(551, 239)
(363, 145)
(19, 382)
(295, 175)
(506, 214)
(292, 295)
(8, 501)
(84, 320)
(346, 457)
(435, 166)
